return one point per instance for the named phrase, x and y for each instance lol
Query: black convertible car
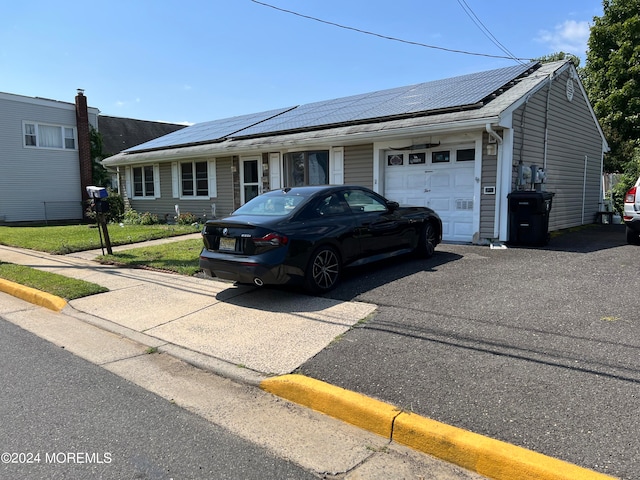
(307, 235)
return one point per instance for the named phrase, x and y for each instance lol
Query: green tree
(99, 173)
(554, 57)
(612, 79)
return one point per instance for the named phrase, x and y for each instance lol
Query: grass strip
(58, 285)
(60, 240)
(180, 257)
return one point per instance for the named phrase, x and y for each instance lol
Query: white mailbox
(97, 192)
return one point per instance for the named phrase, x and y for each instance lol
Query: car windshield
(277, 205)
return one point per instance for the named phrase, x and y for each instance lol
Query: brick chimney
(84, 144)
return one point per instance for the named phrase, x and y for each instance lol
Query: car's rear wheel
(323, 271)
(428, 241)
(633, 237)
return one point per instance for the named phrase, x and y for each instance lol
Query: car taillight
(271, 239)
(630, 197)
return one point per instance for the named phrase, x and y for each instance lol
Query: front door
(250, 174)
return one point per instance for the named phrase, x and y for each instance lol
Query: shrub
(149, 219)
(116, 207)
(131, 217)
(186, 219)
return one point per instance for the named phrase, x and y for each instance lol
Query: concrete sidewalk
(240, 325)
(249, 334)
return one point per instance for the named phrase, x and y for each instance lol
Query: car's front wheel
(323, 271)
(428, 241)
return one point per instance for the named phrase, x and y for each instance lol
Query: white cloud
(568, 37)
(126, 103)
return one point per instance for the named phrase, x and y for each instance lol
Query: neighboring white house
(458, 145)
(45, 154)
(40, 158)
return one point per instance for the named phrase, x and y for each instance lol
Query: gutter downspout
(496, 222)
(546, 123)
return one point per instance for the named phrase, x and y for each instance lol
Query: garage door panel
(395, 182)
(440, 204)
(415, 182)
(417, 201)
(464, 179)
(440, 180)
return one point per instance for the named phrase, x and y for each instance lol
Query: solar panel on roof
(207, 131)
(437, 95)
(462, 91)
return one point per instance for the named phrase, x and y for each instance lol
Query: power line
(386, 37)
(474, 18)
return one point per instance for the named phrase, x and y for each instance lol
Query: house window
(194, 179)
(440, 157)
(41, 135)
(143, 182)
(30, 139)
(306, 168)
(69, 138)
(466, 155)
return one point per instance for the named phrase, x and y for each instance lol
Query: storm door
(250, 174)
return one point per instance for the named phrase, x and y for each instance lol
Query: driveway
(539, 347)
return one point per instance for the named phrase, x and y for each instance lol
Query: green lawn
(180, 256)
(75, 238)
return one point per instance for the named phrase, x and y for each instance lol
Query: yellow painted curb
(351, 407)
(486, 456)
(32, 295)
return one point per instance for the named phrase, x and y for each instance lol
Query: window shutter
(275, 177)
(336, 167)
(175, 180)
(156, 181)
(128, 183)
(213, 184)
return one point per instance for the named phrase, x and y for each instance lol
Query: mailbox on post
(98, 197)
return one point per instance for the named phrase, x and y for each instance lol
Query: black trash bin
(529, 217)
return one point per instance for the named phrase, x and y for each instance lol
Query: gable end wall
(572, 136)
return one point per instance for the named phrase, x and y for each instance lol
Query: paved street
(536, 347)
(65, 418)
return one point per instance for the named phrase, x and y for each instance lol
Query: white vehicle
(632, 214)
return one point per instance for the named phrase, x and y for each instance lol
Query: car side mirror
(392, 205)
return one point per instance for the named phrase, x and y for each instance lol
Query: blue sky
(196, 60)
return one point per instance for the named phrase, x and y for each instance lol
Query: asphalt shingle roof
(119, 134)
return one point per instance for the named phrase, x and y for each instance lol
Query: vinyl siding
(572, 136)
(37, 184)
(165, 206)
(358, 165)
(488, 202)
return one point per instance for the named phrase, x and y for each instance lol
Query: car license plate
(227, 243)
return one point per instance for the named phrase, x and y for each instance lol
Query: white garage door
(445, 187)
